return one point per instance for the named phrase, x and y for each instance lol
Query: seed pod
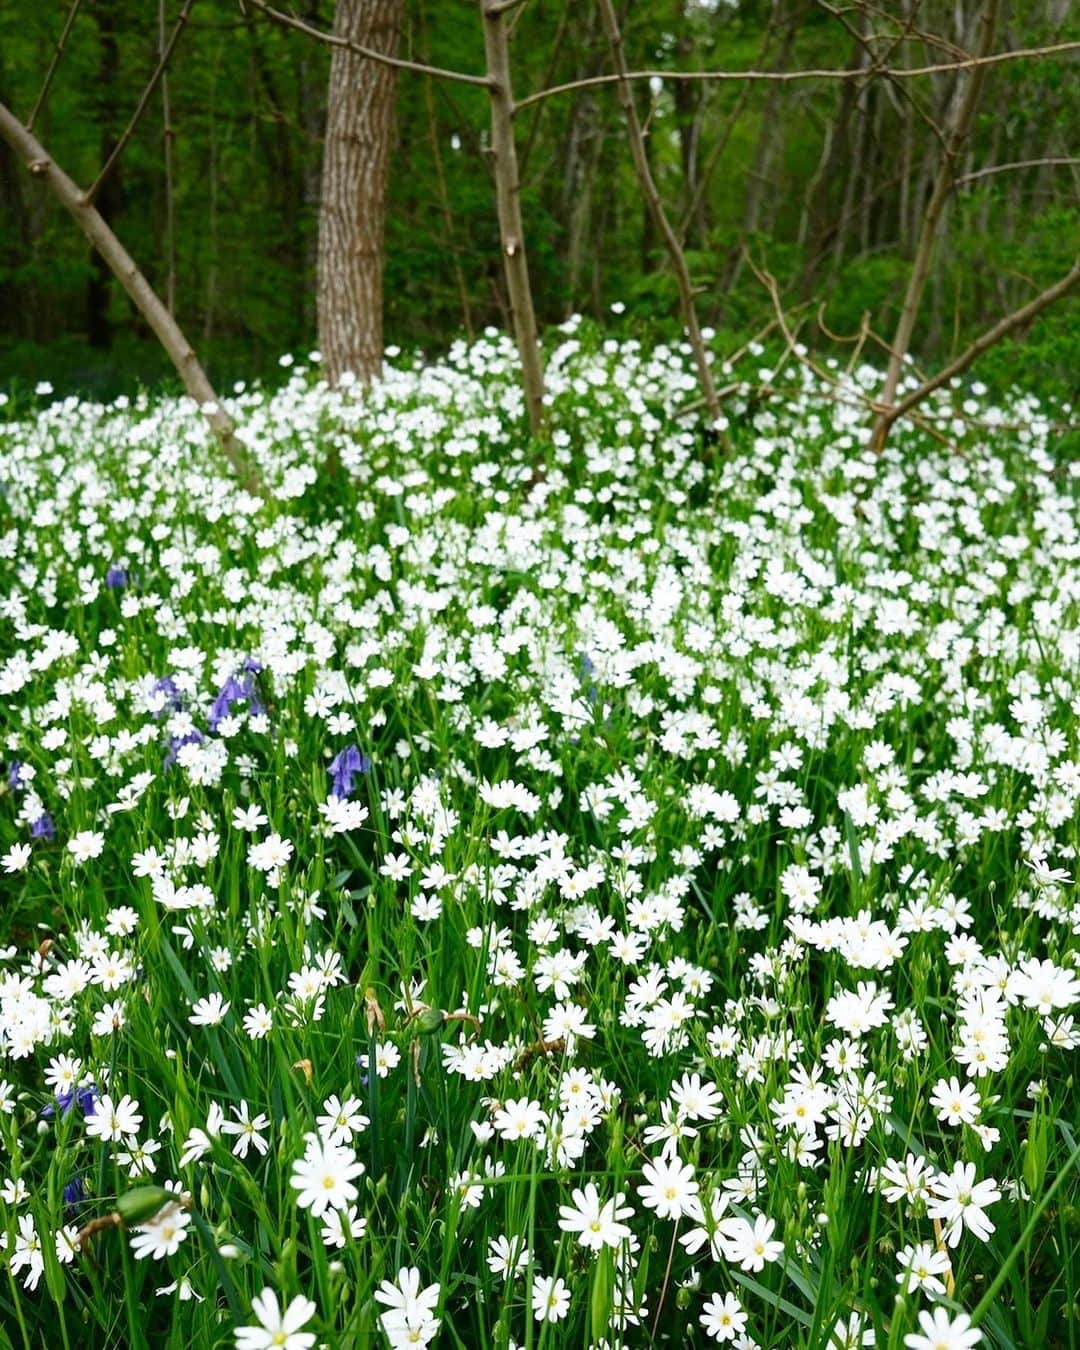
(142, 1203)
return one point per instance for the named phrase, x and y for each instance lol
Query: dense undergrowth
(612, 894)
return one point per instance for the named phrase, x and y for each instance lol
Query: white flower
(209, 1012)
(85, 845)
(723, 1318)
(596, 1223)
(409, 1319)
(114, 1120)
(247, 1131)
(955, 1104)
(670, 1188)
(959, 1201)
(550, 1299)
(323, 1176)
(940, 1331)
(16, 858)
(277, 1330)
(162, 1235)
(749, 1245)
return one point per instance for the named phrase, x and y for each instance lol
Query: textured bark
(352, 214)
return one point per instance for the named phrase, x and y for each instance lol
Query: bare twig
(1062, 160)
(932, 223)
(981, 344)
(372, 54)
(140, 108)
(659, 215)
(787, 76)
(39, 102)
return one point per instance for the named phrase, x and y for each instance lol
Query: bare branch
(129, 131)
(1064, 160)
(981, 344)
(656, 209)
(787, 76)
(933, 223)
(372, 54)
(123, 267)
(39, 102)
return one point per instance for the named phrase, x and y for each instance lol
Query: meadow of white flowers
(605, 895)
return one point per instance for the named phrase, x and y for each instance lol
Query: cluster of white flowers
(672, 846)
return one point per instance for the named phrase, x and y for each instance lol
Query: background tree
(352, 201)
(826, 181)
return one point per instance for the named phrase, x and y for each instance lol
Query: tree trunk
(508, 202)
(110, 197)
(352, 213)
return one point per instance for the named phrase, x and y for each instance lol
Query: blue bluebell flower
(345, 765)
(116, 578)
(173, 701)
(43, 827)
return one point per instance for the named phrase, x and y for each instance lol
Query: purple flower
(15, 775)
(87, 1098)
(173, 702)
(74, 1194)
(116, 578)
(43, 827)
(236, 691)
(177, 743)
(343, 768)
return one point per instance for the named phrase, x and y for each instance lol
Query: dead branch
(981, 344)
(659, 215)
(123, 267)
(372, 54)
(787, 76)
(58, 53)
(1062, 160)
(932, 223)
(140, 108)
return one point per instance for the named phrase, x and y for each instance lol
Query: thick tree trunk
(356, 161)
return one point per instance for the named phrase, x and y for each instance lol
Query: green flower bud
(142, 1203)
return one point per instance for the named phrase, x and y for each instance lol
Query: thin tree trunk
(121, 265)
(110, 195)
(356, 162)
(167, 146)
(663, 225)
(935, 211)
(508, 202)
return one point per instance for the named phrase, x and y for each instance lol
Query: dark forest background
(826, 182)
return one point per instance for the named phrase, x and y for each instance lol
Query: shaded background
(826, 182)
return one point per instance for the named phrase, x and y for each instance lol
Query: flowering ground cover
(610, 895)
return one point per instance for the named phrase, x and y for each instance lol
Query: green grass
(682, 746)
